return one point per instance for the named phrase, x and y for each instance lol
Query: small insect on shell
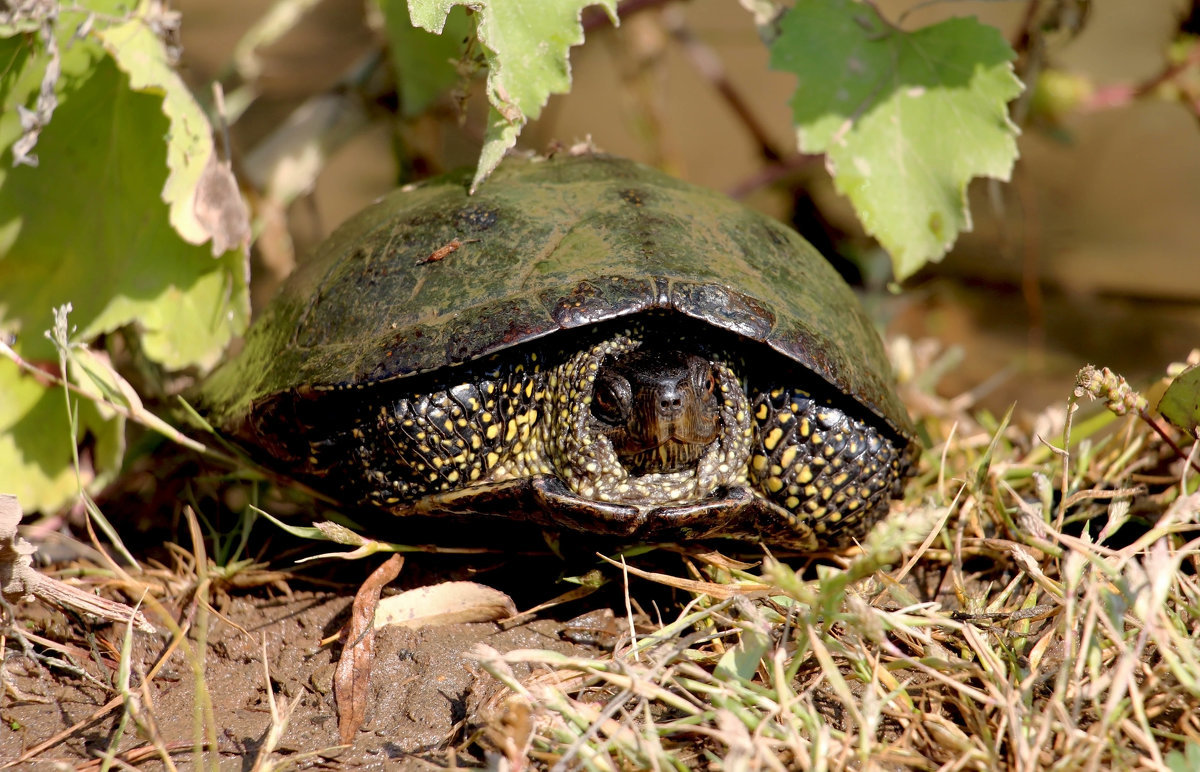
(445, 251)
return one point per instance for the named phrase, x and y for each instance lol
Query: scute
(430, 277)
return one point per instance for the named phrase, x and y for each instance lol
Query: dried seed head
(1118, 395)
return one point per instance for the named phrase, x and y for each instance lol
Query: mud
(427, 693)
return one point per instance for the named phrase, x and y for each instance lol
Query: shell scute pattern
(445, 387)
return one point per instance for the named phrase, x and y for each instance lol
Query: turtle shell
(431, 277)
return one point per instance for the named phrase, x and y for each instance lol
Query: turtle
(586, 344)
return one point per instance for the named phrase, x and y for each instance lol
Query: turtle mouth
(671, 456)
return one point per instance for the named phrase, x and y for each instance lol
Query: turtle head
(658, 407)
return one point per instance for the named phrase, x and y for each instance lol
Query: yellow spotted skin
(514, 418)
(833, 473)
(526, 414)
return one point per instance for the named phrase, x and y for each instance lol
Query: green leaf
(88, 225)
(526, 44)
(142, 55)
(1188, 761)
(36, 460)
(424, 62)
(742, 660)
(905, 119)
(1180, 404)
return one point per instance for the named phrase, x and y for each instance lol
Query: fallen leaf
(352, 678)
(444, 604)
(16, 582)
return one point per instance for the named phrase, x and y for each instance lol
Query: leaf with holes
(141, 54)
(906, 119)
(102, 221)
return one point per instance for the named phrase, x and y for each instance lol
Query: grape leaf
(1180, 403)
(35, 442)
(526, 44)
(141, 54)
(906, 119)
(424, 62)
(88, 225)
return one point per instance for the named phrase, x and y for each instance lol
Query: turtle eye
(610, 402)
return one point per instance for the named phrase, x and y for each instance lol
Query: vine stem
(710, 67)
(772, 173)
(1167, 438)
(1120, 95)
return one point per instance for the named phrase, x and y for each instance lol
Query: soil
(427, 694)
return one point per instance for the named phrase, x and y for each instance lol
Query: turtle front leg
(405, 445)
(833, 473)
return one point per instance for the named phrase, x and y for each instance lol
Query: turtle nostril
(670, 404)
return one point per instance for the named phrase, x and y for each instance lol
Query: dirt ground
(427, 694)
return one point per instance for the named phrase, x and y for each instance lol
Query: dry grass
(1053, 626)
